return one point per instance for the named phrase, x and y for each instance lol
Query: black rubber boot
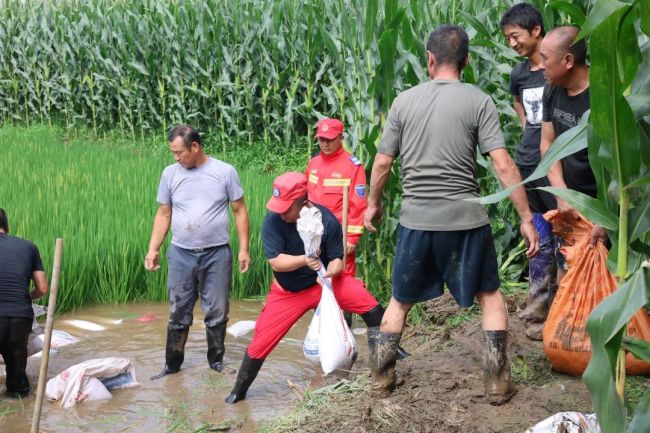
(348, 318)
(373, 318)
(499, 388)
(216, 337)
(382, 347)
(174, 352)
(246, 375)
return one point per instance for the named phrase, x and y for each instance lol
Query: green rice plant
(101, 199)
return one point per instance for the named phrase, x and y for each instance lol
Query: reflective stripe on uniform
(355, 229)
(313, 178)
(336, 182)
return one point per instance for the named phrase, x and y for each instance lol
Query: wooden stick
(49, 323)
(344, 223)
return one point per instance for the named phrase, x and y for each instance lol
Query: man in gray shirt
(442, 238)
(193, 197)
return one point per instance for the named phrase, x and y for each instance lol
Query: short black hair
(187, 132)
(4, 222)
(449, 45)
(523, 15)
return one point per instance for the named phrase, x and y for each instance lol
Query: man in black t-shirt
(565, 100)
(20, 263)
(523, 28)
(295, 290)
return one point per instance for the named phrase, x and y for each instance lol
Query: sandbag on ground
(586, 283)
(74, 384)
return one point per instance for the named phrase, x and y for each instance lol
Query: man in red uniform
(294, 289)
(328, 173)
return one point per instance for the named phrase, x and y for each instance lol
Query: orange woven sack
(586, 283)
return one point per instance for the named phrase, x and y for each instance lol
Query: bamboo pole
(344, 223)
(45, 357)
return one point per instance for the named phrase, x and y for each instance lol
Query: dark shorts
(465, 260)
(538, 201)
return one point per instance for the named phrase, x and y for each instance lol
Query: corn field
(252, 76)
(246, 70)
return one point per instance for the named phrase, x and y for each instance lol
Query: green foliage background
(253, 76)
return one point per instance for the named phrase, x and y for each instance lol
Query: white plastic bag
(310, 228)
(241, 328)
(336, 346)
(73, 385)
(93, 390)
(310, 345)
(567, 422)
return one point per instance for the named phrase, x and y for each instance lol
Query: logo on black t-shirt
(532, 101)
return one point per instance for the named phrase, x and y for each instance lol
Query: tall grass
(101, 199)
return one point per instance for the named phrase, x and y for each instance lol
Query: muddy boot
(382, 347)
(372, 319)
(496, 369)
(174, 352)
(216, 336)
(534, 331)
(247, 374)
(541, 275)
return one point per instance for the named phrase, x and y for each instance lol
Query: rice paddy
(100, 198)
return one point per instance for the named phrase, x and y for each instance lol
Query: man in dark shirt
(523, 28)
(295, 290)
(20, 263)
(565, 100)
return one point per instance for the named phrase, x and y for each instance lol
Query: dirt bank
(443, 389)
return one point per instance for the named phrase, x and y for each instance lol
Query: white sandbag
(310, 228)
(94, 389)
(567, 422)
(59, 339)
(337, 347)
(310, 344)
(241, 328)
(85, 325)
(70, 386)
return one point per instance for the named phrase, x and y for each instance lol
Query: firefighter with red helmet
(329, 172)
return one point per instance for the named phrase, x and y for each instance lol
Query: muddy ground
(443, 388)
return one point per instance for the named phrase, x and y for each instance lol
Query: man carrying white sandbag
(295, 290)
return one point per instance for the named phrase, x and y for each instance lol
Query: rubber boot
(499, 388)
(216, 337)
(541, 275)
(382, 347)
(174, 352)
(373, 318)
(246, 375)
(348, 318)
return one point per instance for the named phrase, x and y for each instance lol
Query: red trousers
(283, 308)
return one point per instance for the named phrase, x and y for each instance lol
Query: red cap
(286, 188)
(329, 128)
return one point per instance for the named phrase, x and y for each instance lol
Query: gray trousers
(205, 271)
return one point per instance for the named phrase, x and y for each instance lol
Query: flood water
(183, 402)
